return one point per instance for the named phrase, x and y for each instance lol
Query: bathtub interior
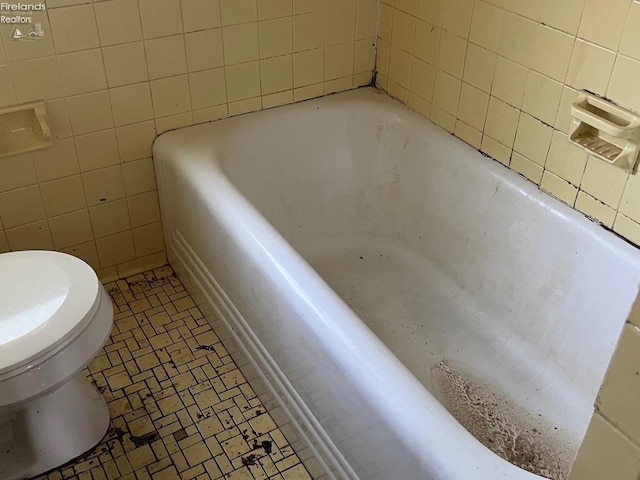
(445, 255)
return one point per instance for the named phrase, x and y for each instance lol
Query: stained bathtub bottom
(503, 427)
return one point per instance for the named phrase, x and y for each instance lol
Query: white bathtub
(369, 263)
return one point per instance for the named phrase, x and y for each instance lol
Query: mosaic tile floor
(180, 408)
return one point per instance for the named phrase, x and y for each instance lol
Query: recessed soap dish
(24, 128)
(606, 131)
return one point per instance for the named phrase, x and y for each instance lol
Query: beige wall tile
(630, 45)
(627, 228)
(446, 92)
(276, 37)
(135, 141)
(479, 67)
(56, 162)
(71, 229)
(97, 150)
(277, 74)
(423, 79)
(63, 195)
(160, 17)
(509, 82)
(456, 17)
(8, 95)
(125, 64)
(200, 14)
(341, 21)
(174, 121)
(533, 139)
(620, 87)
(552, 53)
(473, 106)
(115, 249)
(144, 209)
(245, 106)
(564, 15)
(468, 134)
(27, 77)
(451, 55)
(630, 204)
(82, 72)
(496, 150)
(170, 96)
(148, 239)
(103, 185)
(241, 43)
(595, 209)
(502, 122)
(243, 81)
(366, 19)
(110, 218)
(118, 22)
(131, 104)
(590, 67)
(87, 252)
(559, 188)
(604, 183)
(427, 42)
(566, 160)
(90, 112)
(17, 171)
(604, 28)
(21, 206)
(308, 31)
(208, 88)
(139, 176)
(58, 118)
(4, 243)
(526, 167)
(166, 56)
(541, 97)
(563, 119)
(277, 8)
(239, 11)
(486, 25)
(33, 236)
(605, 453)
(431, 11)
(517, 38)
(204, 49)
(338, 62)
(74, 28)
(399, 67)
(403, 31)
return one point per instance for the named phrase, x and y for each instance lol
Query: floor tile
(180, 407)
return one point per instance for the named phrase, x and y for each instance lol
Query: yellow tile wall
(501, 75)
(611, 448)
(115, 73)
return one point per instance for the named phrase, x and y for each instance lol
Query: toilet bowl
(55, 316)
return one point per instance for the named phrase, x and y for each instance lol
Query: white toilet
(55, 316)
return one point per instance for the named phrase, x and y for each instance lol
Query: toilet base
(52, 430)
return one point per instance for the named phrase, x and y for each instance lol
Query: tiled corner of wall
(502, 74)
(611, 448)
(115, 73)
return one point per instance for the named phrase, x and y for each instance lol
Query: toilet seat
(46, 299)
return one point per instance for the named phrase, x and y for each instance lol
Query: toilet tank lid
(45, 297)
